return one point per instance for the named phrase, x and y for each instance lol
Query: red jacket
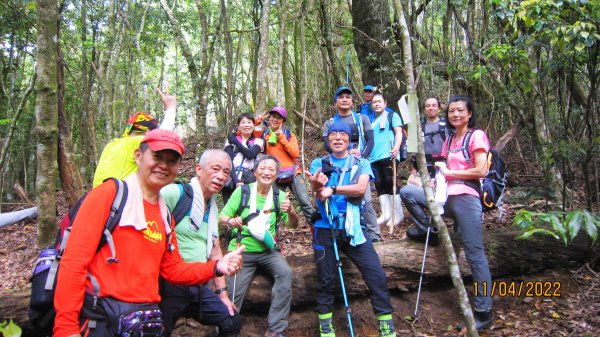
(142, 256)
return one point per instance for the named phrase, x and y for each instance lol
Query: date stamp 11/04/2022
(518, 288)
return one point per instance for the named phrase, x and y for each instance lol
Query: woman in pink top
(463, 204)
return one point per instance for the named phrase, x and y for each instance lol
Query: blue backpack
(491, 188)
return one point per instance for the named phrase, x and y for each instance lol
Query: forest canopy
(73, 71)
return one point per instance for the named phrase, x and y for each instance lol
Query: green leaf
(579, 47)
(544, 231)
(584, 34)
(574, 223)
(10, 329)
(590, 225)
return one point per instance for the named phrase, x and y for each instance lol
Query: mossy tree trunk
(46, 119)
(404, 39)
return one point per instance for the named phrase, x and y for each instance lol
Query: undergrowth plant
(10, 329)
(559, 224)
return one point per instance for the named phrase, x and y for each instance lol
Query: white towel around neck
(133, 211)
(197, 215)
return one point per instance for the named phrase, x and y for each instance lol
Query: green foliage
(561, 23)
(561, 225)
(10, 329)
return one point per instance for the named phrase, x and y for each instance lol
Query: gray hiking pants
(466, 211)
(281, 294)
(301, 193)
(370, 216)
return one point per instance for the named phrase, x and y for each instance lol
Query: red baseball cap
(161, 139)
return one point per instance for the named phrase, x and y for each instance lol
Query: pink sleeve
(479, 142)
(445, 148)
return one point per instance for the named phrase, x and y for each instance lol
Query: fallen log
(402, 263)
(7, 219)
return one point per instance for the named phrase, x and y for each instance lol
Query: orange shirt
(142, 256)
(286, 151)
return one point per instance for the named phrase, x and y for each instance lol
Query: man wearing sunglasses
(198, 237)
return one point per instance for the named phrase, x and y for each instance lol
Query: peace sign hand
(168, 101)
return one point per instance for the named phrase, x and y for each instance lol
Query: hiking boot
(386, 326)
(270, 333)
(326, 328)
(483, 320)
(416, 233)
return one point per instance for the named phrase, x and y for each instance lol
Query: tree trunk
(46, 119)
(541, 136)
(13, 124)
(405, 42)
(87, 126)
(326, 30)
(67, 167)
(263, 60)
(230, 81)
(372, 33)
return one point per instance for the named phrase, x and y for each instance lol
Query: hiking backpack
(184, 205)
(442, 128)
(403, 152)
(244, 203)
(327, 168)
(491, 188)
(43, 282)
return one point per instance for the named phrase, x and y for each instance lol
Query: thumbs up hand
(286, 204)
(231, 263)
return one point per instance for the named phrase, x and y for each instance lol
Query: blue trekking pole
(339, 265)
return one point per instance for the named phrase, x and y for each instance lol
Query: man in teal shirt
(198, 239)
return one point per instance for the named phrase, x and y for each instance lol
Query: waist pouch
(132, 319)
(286, 175)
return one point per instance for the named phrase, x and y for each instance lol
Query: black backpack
(43, 282)
(184, 205)
(491, 188)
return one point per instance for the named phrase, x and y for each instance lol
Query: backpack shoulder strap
(276, 206)
(184, 205)
(116, 210)
(245, 199)
(465, 146)
(448, 143)
(326, 165)
(442, 126)
(355, 161)
(114, 217)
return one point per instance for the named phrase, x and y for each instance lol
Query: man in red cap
(116, 159)
(98, 296)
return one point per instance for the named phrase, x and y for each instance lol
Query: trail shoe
(416, 233)
(386, 326)
(270, 333)
(483, 320)
(326, 325)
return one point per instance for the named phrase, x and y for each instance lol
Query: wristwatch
(220, 290)
(334, 189)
